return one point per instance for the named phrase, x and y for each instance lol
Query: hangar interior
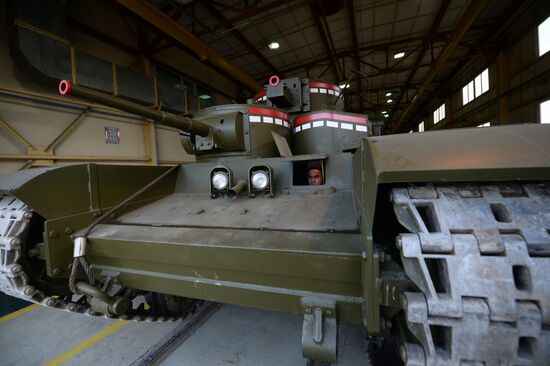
(473, 71)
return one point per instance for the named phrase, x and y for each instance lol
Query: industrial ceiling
(355, 42)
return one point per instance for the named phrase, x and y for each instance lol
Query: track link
(479, 254)
(15, 218)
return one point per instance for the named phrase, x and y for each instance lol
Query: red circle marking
(64, 87)
(274, 80)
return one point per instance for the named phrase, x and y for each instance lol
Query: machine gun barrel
(182, 123)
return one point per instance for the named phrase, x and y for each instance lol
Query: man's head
(314, 173)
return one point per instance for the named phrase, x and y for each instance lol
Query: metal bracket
(320, 330)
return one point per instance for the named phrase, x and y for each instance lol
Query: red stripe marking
(259, 95)
(268, 112)
(331, 116)
(316, 84)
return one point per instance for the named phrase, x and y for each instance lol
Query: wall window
(476, 87)
(439, 113)
(545, 112)
(544, 37)
(421, 127)
(486, 124)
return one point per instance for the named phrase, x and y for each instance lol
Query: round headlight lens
(220, 180)
(260, 180)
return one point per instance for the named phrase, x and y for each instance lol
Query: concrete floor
(232, 336)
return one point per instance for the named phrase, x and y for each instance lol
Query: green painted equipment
(438, 243)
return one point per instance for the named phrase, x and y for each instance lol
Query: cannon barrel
(182, 123)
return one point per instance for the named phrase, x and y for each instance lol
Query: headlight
(220, 181)
(260, 179)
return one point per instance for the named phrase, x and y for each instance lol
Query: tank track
(480, 256)
(15, 217)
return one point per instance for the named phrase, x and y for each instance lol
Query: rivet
(56, 271)
(53, 234)
(68, 231)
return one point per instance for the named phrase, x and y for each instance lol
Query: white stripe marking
(297, 129)
(318, 123)
(314, 90)
(332, 124)
(278, 121)
(330, 91)
(268, 119)
(255, 119)
(287, 125)
(346, 126)
(322, 90)
(305, 126)
(361, 128)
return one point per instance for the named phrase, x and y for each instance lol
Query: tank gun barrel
(182, 123)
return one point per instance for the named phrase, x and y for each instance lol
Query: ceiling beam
(252, 11)
(325, 42)
(472, 12)
(382, 46)
(356, 58)
(182, 36)
(496, 32)
(422, 52)
(221, 18)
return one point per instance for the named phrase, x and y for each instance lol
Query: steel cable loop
(81, 259)
(87, 270)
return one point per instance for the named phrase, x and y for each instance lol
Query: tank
(436, 243)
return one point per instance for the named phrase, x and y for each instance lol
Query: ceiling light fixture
(343, 86)
(388, 94)
(273, 45)
(389, 101)
(398, 55)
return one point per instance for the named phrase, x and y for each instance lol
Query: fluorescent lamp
(389, 101)
(205, 96)
(273, 45)
(388, 94)
(398, 55)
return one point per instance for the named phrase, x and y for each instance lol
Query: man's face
(315, 177)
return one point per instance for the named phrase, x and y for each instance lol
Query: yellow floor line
(18, 312)
(61, 359)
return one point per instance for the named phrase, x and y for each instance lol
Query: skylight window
(439, 113)
(421, 127)
(544, 37)
(476, 87)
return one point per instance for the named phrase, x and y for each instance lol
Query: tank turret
(227, 130)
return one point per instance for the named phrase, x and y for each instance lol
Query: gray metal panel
(12, 181)
(135, 86)
(305, 242)
(297, 211)
(502, 152)
(94, 72)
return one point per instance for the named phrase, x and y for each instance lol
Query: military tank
(437, 243)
